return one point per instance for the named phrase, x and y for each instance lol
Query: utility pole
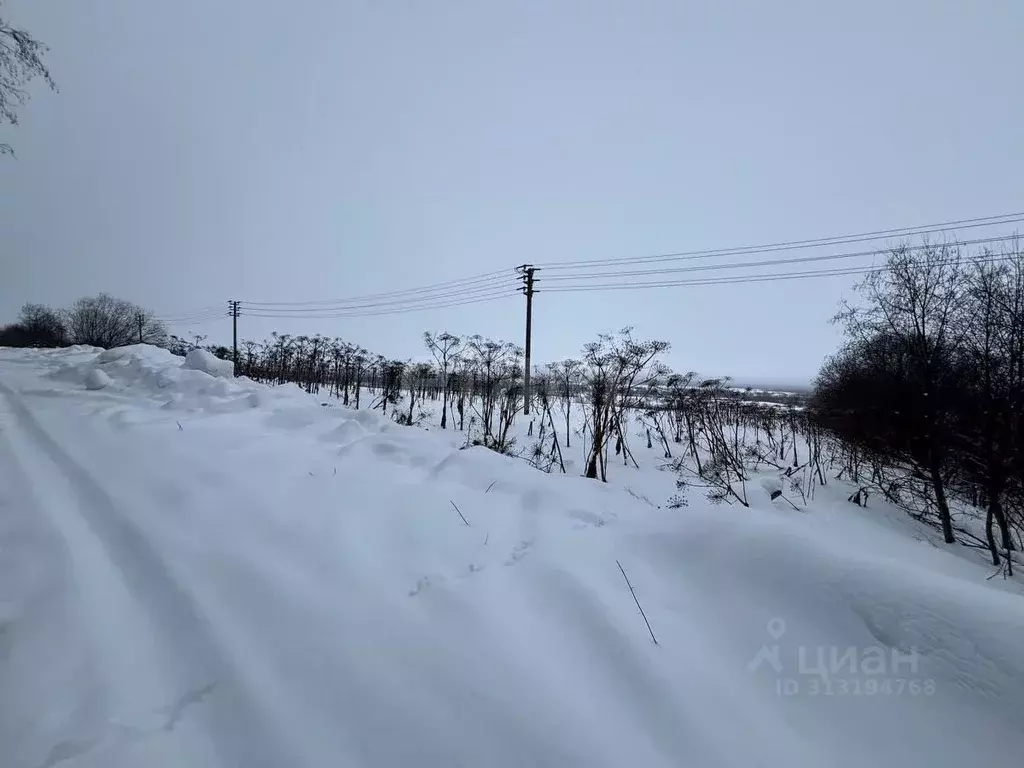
(140, 319)
(526, 272)
(234, 305)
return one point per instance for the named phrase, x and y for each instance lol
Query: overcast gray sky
(315, 149)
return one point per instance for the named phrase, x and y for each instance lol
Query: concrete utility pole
(526, 272)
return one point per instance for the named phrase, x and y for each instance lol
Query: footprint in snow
(423, 582)
(519, 551)
(586, 519)
(67, 750)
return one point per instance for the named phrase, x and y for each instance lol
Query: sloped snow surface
(200, 571)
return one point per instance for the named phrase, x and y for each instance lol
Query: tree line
(99, 321)
(928, 387)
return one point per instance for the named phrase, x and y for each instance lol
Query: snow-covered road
(203, 572)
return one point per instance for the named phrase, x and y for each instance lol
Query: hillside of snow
(197, 570)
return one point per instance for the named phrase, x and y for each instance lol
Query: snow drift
(200, 381)
(207, 362)
(203, 571)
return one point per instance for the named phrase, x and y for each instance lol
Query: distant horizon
(775, 385)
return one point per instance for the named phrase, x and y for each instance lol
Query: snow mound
(147, 352)
(200, 382)
(97, 379)
(349, 431)
(201, 360)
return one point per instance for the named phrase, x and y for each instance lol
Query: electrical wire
(173, 318)
(201, 321)
(451, 294)
(741, 279)
(505, 283)
(203, 312)
(186, 320)
(379, 312)
(768, 262)
(924, 229)
(466, 282)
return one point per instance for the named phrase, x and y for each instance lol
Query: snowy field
(199, 571)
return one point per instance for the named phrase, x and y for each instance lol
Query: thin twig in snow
(794, 506)
(459, 511)
(637, 602)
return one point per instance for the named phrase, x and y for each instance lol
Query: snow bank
(199, 382)
(207, 362)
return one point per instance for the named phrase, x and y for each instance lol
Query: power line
(207, 321)
(741, 279)
(203, 312)
(192, 320)
(466, 282)
(769, 262)
(379, 312)
(924, 229)
(575, 276)
(451, 294)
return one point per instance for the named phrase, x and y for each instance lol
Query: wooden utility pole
(526, 272)
(233, 305)
(140, 319)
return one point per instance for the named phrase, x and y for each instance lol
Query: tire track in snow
(40, 647)
(147, 632)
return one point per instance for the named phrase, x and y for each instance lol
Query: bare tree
(390, 374)
(106, 321)
(542, 455)
(446, 349)
(566, 375)
(901, 346)
(21, 60)
(495, 367)
(716, 442)
(417, 375)
(44, 325)
(991, 410)
(615, 368)
(37, 326)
